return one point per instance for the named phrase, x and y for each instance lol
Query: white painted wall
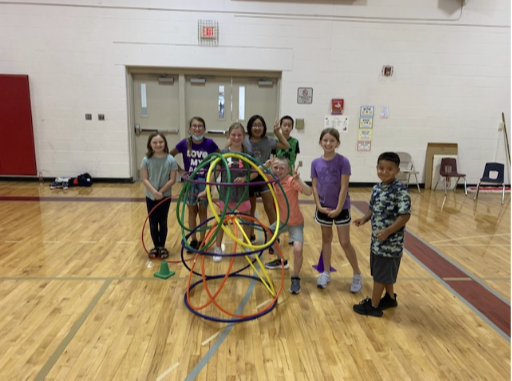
(451, 77)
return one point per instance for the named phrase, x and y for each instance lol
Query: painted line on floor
(485, 302)
(164, 374)
(71, 334)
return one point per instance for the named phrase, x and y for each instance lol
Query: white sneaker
(246, 249)
(323, 280)
(357, 283)
(217, 258)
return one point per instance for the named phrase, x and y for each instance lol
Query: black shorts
(384, 269)
(340, 220)
(257, 190)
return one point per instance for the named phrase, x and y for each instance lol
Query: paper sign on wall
(339, 122)
(364, 134)
(365, 122)
(363, 145)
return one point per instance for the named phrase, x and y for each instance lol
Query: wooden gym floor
(78, 299)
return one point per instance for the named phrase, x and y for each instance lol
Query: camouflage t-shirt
(387, 203)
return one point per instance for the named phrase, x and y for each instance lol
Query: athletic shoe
(365, 308)
(357, 283)
(388, 302)
(295, 286)
(276, 264)
(194, 244)
(323, 280)
(217, 258)
(246, 250)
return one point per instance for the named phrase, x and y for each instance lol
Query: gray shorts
(296, 231)
(384, 269)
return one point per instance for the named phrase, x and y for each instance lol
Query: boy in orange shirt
(292, 185)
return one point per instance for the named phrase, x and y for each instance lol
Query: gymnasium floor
(79, 299)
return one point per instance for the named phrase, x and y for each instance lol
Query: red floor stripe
(491, 306)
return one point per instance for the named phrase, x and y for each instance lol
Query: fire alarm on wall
(387, 70)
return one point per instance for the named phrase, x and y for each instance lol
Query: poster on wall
(366, 112)
(364, 145)
(366, 123)
(364, 134)
(339, 122)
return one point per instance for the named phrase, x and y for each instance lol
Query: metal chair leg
(417, 183)
(456, 183)
(477, 190)
(465, 187)
(437, 182)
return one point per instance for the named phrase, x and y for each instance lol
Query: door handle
(138, 130)
(216, 132)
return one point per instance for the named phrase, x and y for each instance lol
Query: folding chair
(497, 171)
(407, 168)
(449, 169)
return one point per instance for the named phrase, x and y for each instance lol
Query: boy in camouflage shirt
(389, 211)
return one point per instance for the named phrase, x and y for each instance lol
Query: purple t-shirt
(199, 151)
(328, 184)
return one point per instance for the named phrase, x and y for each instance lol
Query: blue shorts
(193, 191)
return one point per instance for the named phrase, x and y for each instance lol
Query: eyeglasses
(197, 126)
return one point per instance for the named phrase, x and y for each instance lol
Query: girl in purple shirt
(330, 175)
(193, 150)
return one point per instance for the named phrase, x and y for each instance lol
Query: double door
(167, 103)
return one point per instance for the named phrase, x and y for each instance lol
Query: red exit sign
(208, 32)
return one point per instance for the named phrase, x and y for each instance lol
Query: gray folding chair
(407, 168)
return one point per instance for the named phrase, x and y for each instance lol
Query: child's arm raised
(282, 143)
(306, 189)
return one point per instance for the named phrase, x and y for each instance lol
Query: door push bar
(139, 130)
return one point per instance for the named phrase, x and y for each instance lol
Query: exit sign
(208, 32)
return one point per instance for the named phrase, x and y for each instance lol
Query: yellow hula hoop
(216, 216)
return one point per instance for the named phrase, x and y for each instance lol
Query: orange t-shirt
(291, 189)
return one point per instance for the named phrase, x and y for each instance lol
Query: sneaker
(247, 250)
(194, 244)
(357, 283)
(323, 280)
(388, 302)
(365, 308)
(276, 264)
(295, 286)
(217, 258)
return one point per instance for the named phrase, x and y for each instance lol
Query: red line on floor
(491, 306)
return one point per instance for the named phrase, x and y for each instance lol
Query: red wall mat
(17, 152)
